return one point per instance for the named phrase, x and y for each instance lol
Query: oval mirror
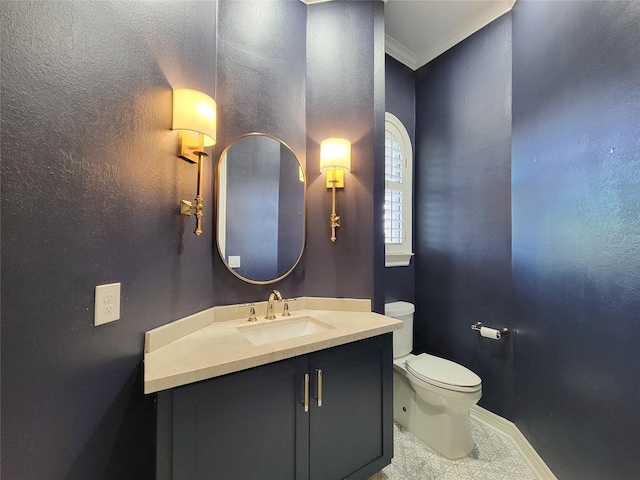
(261, 208)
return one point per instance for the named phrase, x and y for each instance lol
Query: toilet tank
(402, 339)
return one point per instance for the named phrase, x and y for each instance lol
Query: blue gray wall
(261, 87)
(576, 233)
(400, 100)
(463, 207)
(345, 98)
(545, 238)
(90, 192)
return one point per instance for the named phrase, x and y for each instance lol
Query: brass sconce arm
(334, 220)
(194, 111)
(188, 208)
(335, 159)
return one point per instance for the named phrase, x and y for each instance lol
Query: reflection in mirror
(261, 208)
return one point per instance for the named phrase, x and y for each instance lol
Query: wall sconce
(335, 159)
(194, 113)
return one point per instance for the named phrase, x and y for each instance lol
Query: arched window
(397, 193)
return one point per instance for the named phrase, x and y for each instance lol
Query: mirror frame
(217, 209)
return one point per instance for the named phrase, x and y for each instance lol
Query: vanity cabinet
(254, 424)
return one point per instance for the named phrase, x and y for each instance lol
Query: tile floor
(495, 457)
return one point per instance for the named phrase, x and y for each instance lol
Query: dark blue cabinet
(254, 424)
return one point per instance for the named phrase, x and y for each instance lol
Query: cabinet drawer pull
(319, 397)
(305, 402)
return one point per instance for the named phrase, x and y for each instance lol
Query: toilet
(431, 396)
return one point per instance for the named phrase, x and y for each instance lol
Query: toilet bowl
(432, 395)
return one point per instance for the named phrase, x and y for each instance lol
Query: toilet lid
(443, 373)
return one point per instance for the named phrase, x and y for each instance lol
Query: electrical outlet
(107, 303)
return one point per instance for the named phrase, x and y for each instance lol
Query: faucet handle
(285, 309)
(252, 312)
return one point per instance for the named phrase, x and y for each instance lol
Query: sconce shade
(195, 111)
(335, 153)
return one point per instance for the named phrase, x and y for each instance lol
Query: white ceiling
(417, 31)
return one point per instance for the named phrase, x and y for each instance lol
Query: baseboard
(504, 426)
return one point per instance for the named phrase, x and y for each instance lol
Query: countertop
(209, 344)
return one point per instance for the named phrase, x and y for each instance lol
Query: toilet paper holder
(498, 333)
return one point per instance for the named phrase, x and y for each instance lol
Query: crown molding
(464, 31)
(471, 26)
(401, 53)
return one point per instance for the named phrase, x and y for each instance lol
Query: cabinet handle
(319, 397)
(305, 402)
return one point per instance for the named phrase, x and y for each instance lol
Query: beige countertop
(209, 344)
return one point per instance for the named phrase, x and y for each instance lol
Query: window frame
(399, 255)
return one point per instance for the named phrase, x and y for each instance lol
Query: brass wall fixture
(194, 113)
(335, 159)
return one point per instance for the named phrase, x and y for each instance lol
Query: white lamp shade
(335, 153)
(195, 111)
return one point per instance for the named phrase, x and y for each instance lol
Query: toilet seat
(443, 373)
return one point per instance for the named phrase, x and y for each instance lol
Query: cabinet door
(352, 432)
(246, 425)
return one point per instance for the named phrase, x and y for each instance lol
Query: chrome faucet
(274, 295)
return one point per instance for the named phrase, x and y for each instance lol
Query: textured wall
(90, 190)
(399, 282)
(261, 87)
(302, 93)
(576, 233)
(573, 300)
(463, 207)
(345, 98)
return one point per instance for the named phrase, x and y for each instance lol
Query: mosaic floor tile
(494, 457)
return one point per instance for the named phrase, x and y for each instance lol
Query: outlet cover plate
(107, 304)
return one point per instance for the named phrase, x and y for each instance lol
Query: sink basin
(276, 330)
